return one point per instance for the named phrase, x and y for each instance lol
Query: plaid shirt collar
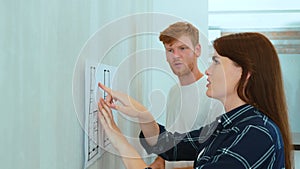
(236, 115)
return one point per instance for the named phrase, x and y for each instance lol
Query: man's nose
(176, 53)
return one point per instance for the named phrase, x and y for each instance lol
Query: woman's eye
(215, 61)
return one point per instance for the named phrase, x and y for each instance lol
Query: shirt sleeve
(175, 146)
(251, 148)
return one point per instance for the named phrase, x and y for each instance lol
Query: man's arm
(159, 163)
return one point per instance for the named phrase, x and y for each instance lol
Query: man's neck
(190, 78)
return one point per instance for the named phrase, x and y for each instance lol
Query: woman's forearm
(149, 127)
(131, 158)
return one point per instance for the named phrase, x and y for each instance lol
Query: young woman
(253, 133)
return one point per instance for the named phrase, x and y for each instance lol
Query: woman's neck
(231, 104)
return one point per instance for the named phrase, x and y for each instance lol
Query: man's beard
(187, 70)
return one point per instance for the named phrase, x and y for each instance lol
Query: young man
(188, 107)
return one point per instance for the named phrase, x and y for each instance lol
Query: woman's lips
(208, 83)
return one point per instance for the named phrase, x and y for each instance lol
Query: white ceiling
(254, 14)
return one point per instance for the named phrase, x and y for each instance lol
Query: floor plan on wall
(95, 139)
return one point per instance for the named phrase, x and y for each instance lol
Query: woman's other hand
(111, 129)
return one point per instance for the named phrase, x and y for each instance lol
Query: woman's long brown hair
(256, 55)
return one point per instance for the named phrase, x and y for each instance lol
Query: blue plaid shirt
(241, 138)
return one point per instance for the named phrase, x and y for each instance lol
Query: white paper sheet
(95, 142)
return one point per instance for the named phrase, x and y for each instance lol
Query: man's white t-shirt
(189, 108)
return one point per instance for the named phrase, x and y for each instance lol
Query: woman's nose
(207, 71)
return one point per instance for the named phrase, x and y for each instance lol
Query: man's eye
(170, 50)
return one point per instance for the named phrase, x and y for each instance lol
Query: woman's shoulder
(260, 123)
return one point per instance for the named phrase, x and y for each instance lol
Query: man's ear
(198, 50)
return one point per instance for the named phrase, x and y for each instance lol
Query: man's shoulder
(175, 87)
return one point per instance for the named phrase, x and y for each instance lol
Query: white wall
(39, 45)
